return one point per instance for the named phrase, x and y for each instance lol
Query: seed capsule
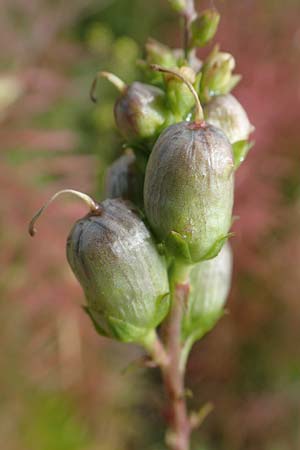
(225, 112)
(139, 111)
(188, 190)
(125, 179)
(209, 287)
(124, 278)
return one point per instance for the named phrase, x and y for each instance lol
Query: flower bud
(188, 189)
(115, 259)
(178, 5)
(180, 99)
(204, 27)
(125, 179)
(194, 62)
(217, 77)
(209, 287)
(158, 53)
(225, 112)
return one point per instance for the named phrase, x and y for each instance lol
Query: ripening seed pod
(209, 287)
(124, 278)
(188, 189)
(139, 111)
(125, 179)
(226, 112)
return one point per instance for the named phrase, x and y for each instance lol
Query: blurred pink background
(61, 386)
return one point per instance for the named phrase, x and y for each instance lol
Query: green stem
(186, 349)
(155, 348)
(188, 14)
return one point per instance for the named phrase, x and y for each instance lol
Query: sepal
(216, 248)
(178, 246)
(240, 150)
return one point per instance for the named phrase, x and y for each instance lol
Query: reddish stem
(178, 437)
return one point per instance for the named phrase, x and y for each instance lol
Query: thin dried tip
(94, 207)
(116, 81)
(199, 115)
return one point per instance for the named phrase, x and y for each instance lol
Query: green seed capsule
(125, 179)
(115, 259)
(123, 276)
(225, 112)
(188, 191)
(139, 111)
(209, 287)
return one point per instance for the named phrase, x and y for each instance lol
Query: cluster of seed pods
(169, 196)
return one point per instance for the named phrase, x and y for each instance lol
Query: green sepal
(100, 329)
(217, 246)
(240, 150)
(125, 332)
(120, 330)
(233, 82)
(177, 246)
(204, 27)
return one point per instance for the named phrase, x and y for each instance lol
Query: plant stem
(188, 14)
(178, 436)
(156, 350)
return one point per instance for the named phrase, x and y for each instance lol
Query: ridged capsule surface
(226, 112)
(123, 276)
(209, 287)
(139, 111)
(125, 179)
(188, 190)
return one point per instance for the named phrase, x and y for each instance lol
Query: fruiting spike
(199, 116)
(116, 81)
(94, 207)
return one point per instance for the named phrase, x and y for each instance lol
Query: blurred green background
(61, 386)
